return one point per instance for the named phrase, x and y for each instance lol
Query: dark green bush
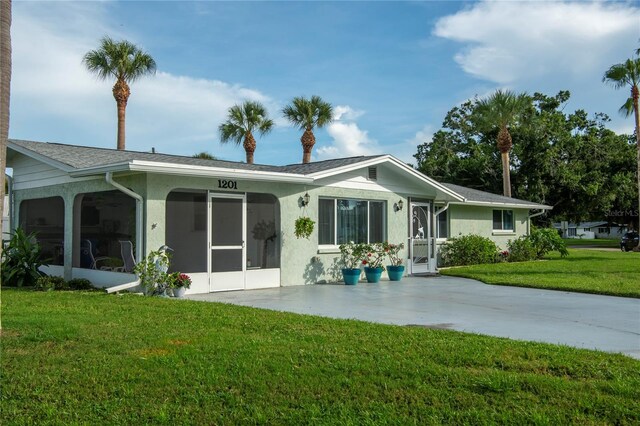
(48, 283)
(469, 250)
(521, 250)
(547, 239)
(80, 284)
(21, 260)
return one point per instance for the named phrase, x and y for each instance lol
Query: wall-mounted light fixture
(398, 206)
(305, 199)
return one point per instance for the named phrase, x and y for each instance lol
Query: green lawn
(586, 271)
(92, 358)
(599, 242)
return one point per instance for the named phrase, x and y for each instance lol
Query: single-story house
(231, 224)
(590, 230)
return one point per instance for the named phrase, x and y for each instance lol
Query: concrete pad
(605, 323)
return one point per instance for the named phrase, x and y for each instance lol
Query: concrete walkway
(605, 323)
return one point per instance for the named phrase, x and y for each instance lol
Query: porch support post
(68, 236)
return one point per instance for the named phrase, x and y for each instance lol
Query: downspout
(11, 203)
(139, 227)
(532, 216)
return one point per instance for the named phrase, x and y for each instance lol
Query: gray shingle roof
(81, 157)
(477, 196)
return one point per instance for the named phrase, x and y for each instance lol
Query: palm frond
(627, 108)
(308, 113)
(625, 74)
(119, 59)
(243, 119)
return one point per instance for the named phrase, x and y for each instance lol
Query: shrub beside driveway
(585, 271)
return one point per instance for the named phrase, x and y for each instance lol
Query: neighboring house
(230, 224)
(590, 230)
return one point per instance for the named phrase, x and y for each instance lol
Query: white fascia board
(388, 159)
(509, 205)
(49, 161)
(191, 170)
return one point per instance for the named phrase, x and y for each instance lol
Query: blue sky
(390, 69)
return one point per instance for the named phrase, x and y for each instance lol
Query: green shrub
(48, 283)
(21, 260)
(521, 250)
(80, 284)
(469, 250)
(545, 240)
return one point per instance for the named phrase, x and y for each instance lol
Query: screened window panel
(377, 231)
(45, 218)
(186, 231)
(507, 220)
(352, 221)
(263, 243)
(326, 221)
(497, 220)
(443, 225)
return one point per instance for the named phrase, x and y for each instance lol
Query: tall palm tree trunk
(249, 146)
(308, 140)
(121, 94)
(506, 174)
(5, 90)
(504, 145)
(635, 94)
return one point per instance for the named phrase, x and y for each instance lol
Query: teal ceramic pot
(373, 274)
(395, 272)
(351, 276)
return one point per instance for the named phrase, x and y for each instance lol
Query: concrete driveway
(605, 323)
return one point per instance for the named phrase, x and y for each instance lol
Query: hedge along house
(231, 225)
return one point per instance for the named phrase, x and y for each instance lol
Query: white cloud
(50, 82)
(349, 140)
(508, 42)
(423, 135)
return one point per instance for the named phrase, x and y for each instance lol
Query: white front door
(419, 240)
(227, 254)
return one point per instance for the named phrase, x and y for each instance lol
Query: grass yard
(599, 242)
(586, 271)
(92, 358)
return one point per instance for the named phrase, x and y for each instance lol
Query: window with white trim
(341, 220)
(503, 220)
(442, 225)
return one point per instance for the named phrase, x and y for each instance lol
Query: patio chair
(87, 259)
(126, 251)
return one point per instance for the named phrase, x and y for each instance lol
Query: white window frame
(513, 222)
(438, 237)
(335, 218)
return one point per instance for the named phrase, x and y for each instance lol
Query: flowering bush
(352, 254)
(374, 255)
(392, 251)
(181, 280)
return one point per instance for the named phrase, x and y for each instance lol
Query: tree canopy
(570, 161)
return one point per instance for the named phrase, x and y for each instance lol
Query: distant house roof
(585, 225)
(483, 197)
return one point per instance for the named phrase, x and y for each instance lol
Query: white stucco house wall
(231, 224)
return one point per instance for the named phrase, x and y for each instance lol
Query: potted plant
(152, 273)
(180, 283)
(303, 227)
(396, 269)
(352, 254)
(372, 261)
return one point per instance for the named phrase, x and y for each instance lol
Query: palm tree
(124, 61)
(241, 122)
(502, 110)
(307, 114)
(5, 90)
(622, 75)
(204, 155)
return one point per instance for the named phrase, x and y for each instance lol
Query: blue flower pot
(351, 276)
(373, 274)
(395, 272)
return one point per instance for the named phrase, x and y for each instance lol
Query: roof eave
(191, 170)
(532, 206)
(36, 156)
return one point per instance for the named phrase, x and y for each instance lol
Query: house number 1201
(227, 184)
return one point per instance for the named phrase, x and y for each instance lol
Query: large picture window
(343, 220)
(503, 220)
